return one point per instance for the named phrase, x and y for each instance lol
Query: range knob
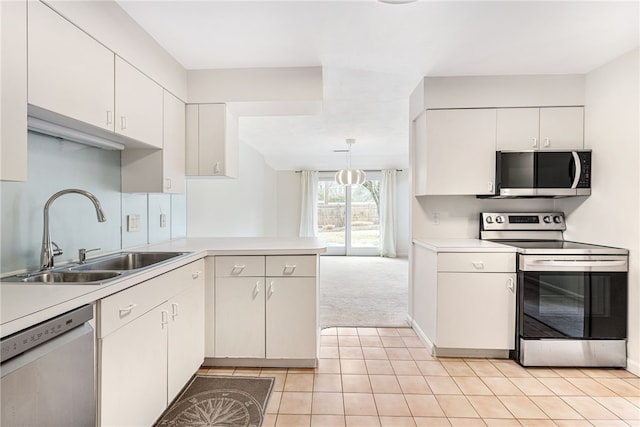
(499, 219)
(489, 220)
(557, 219)
(547, 219)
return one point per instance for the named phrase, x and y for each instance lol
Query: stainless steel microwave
(543, 173)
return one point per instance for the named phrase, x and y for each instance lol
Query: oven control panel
(522, 221)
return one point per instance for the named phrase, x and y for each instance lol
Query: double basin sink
(99, 270)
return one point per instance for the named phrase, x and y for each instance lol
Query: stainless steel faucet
(47, 254)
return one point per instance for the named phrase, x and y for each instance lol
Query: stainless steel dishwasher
(47, 373)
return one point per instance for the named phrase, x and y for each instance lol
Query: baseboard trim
(633, 366)
(423, 337)
(259, 363)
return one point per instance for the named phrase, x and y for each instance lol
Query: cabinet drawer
(239, 266)
(477, 262)
(293, 266)
(121, 308)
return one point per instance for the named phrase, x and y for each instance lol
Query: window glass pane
(365, 215)
(331, 213)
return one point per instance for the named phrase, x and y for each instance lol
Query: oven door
(572, 297)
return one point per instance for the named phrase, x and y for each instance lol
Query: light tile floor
(379, 377)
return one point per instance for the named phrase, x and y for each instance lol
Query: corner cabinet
(212, 141)
(270, 301)
(150, 343)
(159, 171)
(465, 302)
(454, 152)
(545, 128)
(13, 86)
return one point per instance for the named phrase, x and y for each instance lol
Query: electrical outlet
(435, 218)
(163, 220)
(133, 223)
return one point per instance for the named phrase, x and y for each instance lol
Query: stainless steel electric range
(571, 297)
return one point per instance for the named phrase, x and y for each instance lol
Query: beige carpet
(363, 291)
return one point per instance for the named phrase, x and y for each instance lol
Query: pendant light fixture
(350, 176)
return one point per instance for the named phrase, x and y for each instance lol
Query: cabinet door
(69, 72)
(419, 161)
(133, 380)
(460, 151)
(291, 325)
(517, 129)
(239, 317)
(138, 105)
(173, 151)
(211, 143)
(13, 86)
(562, 128)
(186, 336)
(476, 310)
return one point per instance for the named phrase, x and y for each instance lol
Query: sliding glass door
(349, 216)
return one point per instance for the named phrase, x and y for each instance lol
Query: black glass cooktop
(560, 246)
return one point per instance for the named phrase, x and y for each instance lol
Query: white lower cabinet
(266, 308)
(150, 343)
(133, 389)
(239, 317)
(291, 318)
(185, 347)
(464, 302)
(476, 310)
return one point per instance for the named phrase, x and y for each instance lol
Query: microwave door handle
(578, 164)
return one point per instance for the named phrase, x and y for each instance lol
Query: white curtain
(387, 217)
(308, 203)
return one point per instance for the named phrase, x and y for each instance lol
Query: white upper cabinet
(13, 86)
(159, 171)
(212, 141)
(138, 105)
(546, 128)
(174, 144)
(454, 152)
(69, 72)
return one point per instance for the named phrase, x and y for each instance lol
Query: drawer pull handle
(127, 310)
(195, 274)
(478, 265)
(109, 117)
(510, 284)
(237, 268)
(256, 290)
(289, 269)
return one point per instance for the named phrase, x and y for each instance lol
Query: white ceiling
(373, 55)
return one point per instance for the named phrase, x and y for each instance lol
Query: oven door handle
(577, 265)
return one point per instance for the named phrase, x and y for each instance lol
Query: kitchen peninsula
(199, 306)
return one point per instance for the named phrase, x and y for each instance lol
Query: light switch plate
(133, 223)
(163, 220)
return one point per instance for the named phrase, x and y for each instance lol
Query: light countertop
(23, 305)
(463, 245)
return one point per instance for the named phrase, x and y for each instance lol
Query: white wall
(612, 132)
(242, 207)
